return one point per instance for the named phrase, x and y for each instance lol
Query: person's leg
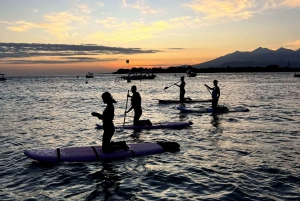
(136, 118)
(214, 104)
(107, 135)
(181, 97)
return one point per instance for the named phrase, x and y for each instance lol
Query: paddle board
(94, 153)
(162, 125)
(210, 110)
(185, 101)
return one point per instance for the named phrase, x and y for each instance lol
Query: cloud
(122, 31)
(141, 7)
(293, 44)
(216, 9)
(290, 3)
(63, 60)
(34, 53)
(84, 8)
(57, 24)
(10, 51)
(21, 26)
(100, 4)
(236, 9)
(111, 22)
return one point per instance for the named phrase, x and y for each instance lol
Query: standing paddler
(215, 94)
(182, 90)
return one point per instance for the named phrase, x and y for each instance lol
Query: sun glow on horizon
(149, 33)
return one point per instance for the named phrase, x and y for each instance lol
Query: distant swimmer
(108, 126)
(182, 90)
(215, 95)
(136, 105)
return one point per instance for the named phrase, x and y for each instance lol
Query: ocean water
(251, 155)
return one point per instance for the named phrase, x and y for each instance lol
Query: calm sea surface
(234, 156)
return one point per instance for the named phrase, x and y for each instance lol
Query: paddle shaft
(171, 85)
(208, 89)
(125, 109)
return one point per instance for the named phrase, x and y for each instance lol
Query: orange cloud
(293, 44)
(133, 31)
(21, 26)
(237, 9)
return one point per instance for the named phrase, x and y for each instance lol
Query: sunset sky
(58, 37)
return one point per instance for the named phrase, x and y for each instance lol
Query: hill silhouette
(260, 57)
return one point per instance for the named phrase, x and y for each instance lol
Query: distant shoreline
(272, 68)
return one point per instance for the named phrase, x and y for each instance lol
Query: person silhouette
(182, 90)
(108, 126)
(215, 94)
(136, 105)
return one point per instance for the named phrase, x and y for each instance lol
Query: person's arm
(129, 109)
(96, 114)
(209, 87)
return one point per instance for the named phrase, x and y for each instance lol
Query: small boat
(297, 75)
(148, 75)
(2, 78)
(89, 75)
(189, 73)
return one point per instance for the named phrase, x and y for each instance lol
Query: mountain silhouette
(259, 57)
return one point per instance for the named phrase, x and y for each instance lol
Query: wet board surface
(94, 153)
(210, 110)
(185, 101)
(162, 125)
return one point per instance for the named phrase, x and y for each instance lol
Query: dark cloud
(27, 50)
(63, 60)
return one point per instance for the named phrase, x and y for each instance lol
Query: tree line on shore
(184, 69)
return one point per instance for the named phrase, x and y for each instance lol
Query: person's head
(215, 82)
(107, 98)
(133, 89)
(182, 78)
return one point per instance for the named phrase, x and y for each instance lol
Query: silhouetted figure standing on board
(215, 94)
(182, 90)
(136, 105)
(108, 125)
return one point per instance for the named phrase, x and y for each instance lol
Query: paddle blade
(166, 88)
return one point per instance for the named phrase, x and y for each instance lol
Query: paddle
(171, 85)
(125, 109)
(207, 89)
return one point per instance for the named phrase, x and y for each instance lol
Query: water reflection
(107, 180)
(216, 120)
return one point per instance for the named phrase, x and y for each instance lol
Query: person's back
(136, 101)
(216, 92)
(108, 116)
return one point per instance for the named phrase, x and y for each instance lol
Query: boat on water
(190, 73)
(2, 78)
(89, 75)
(145, 75)
(297, 75)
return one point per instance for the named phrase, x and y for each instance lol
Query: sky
(63, 37)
